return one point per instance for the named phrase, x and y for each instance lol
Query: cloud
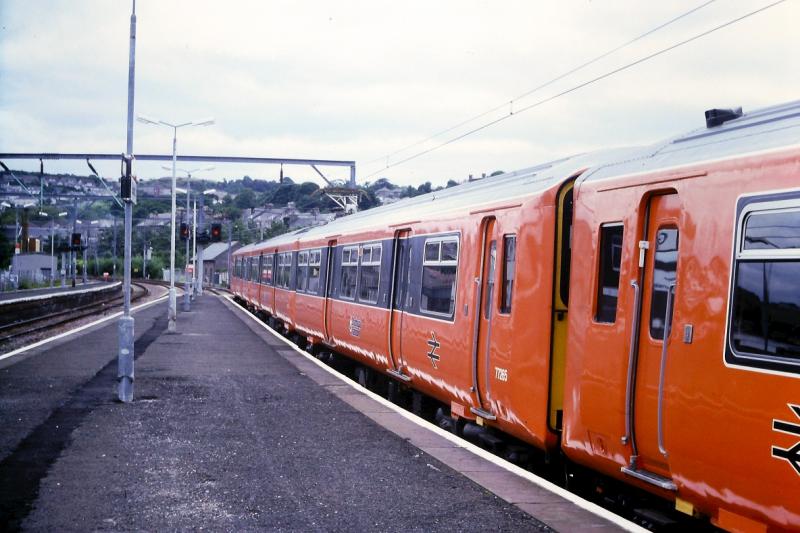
(360, 80)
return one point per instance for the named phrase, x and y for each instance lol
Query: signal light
(76, 240)
(184, 230)
(216, 232)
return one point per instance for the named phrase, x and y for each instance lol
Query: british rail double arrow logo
(792, 428)
(434, 344)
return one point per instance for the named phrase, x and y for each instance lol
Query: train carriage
(636, 309)
(684, 333)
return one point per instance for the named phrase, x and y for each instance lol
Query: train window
(266, 270)
(254, 269)
(664, 268)
(314, 261)
(610, 262)
(246, 268)
(284, 271)
(302, 271)
(369, 273)
(765, 308)
(487, 306)
(439, 268)
(509, 266)
(349, 273)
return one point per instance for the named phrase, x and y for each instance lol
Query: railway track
(39, 324)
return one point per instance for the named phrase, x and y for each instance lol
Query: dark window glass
(266, 270)
(432, 251)
(302, 271)
(438, 289)
(349, 273)
(664, 269)
(438, 293)
(608, 283)
(766, 308)
(566, 247)
(773, 230)
(370, 272)
(487, 306)
(509, 266)
(314, 260)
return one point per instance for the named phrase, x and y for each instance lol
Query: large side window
(284, 272)
(349, 272)
(302, 271)
(370, 273)
(253, 274)
(314, 260)
(266, 270)
(509, 266)
(439, 268)
(764, 329)
(608, 282)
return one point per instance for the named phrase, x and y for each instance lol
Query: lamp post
(187, 288)
(172, 310)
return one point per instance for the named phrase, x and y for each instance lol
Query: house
(215, 262)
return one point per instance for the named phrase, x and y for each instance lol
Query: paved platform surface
(16, 295)
(230, 430)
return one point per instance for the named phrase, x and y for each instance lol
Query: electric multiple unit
(637, 309)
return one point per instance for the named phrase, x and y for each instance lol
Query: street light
(187, 297)
(172, 310)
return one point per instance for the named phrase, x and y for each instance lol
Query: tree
(246, 199)
(451, 183)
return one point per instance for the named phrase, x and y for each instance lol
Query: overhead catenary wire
(545, 84)
(578, 87)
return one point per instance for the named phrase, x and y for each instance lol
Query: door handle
(667, 328)
(631, 363)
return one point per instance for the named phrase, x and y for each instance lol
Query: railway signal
(76, 241)
(184, 231)
(216, 232)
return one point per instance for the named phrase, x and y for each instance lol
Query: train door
(401, 261)
(329, 264)
(484, 310)
(655, 297)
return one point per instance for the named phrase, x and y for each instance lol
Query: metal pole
(202, 226)
(125, 357)
(114, 266)
(52, 251)
(85, 249)
(73, 256)
(230, 232)
(172, 309)
(63, 269)
(194, 246)
(187, 290)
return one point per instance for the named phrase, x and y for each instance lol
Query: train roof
(487, 191)
(764, 129)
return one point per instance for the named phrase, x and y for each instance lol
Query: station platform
(234, 429)
(9, 296)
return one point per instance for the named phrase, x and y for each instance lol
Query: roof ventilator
(717, 117)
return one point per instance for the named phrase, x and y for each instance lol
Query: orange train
(637, 310)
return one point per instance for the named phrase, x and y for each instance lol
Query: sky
(362, 80)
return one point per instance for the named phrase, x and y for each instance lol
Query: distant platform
(9, 296)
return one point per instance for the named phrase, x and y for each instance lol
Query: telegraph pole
(126, 332)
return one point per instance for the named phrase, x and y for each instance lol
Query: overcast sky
(358, 80)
